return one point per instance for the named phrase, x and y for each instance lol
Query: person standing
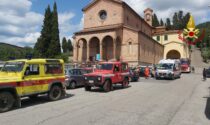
(204, 74)
(193, 69)
(146, 72)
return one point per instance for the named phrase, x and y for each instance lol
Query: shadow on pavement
(207, 110)
(115, 88)
(27, 102)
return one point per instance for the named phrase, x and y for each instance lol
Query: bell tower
(148, 16)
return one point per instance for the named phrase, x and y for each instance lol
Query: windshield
(104, 66)
(165, 66)
(13, 67)
(185, 62)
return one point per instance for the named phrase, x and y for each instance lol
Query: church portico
(89, 45)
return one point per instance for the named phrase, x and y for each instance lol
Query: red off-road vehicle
(107, 74)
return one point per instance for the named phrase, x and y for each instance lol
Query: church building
(114, 31)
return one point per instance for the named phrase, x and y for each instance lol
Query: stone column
(114, 49)
(88, 52)
(75, 54)
(101, 50)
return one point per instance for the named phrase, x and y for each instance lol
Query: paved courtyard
(147, 102)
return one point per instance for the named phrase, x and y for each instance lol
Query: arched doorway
(82, 50)
(173, 54)
(107, 48)
(94, 47)
(118, 48)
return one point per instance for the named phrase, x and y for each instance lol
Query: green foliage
(155, 21)
(9, 52)
(168, 23)
(48, 44)
(205, 54)
(70, 46)
(64, 45)
(63, 56)
(161, 23)
(179, 21)
(204, 27)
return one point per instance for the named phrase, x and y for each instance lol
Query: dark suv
(75, 78)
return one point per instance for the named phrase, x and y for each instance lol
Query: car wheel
(107, 86)
(173, 77)
(6, 101)
(55, 93)
(125, 83)
(87, 88)
(72, 85)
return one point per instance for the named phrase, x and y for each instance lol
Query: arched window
(130, 48)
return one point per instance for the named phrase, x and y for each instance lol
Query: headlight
(99, 78)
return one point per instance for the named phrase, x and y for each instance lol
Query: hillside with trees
(178, 21)
(9, 52)
(205, 43)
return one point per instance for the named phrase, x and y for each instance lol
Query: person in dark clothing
(193, 69)
(204, 74)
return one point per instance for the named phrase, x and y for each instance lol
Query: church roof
(166, 32)
(148, 9)
(120, 2)
(95, 1)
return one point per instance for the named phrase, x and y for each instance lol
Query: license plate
(91, 81)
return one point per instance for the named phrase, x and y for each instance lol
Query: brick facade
(115, 31)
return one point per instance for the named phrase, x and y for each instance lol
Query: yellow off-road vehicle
(30, 78)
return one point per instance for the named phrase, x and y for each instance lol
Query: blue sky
(74, 6)
(21, 20)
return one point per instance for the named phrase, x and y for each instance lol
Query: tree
(64, 45)
(70, 46)
(175, 22)
(54, 47)
(186, 19)
(168, 23)
(42, 44)
(155, 21)
(161, 22)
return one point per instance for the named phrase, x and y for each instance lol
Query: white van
(168, 69)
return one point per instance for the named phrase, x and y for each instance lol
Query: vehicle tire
(107, 86)
(55, 93)
(72, 85)
(33, 96)
(172, 77)
(125, 83)
(87, 88)
(6, 101)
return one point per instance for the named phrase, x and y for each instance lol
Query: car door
(81, 79)
(32, 81)
(117, 74)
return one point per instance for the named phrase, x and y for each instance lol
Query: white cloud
(67, 28)
(166, 8)
(19, 25)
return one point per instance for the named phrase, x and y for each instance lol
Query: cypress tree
(70, 46)
(186, 19)
(175, 22)
(155, 21)
(161, 23)
(54, 47)
(42, 44)
(64, 45)
(168, 23)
